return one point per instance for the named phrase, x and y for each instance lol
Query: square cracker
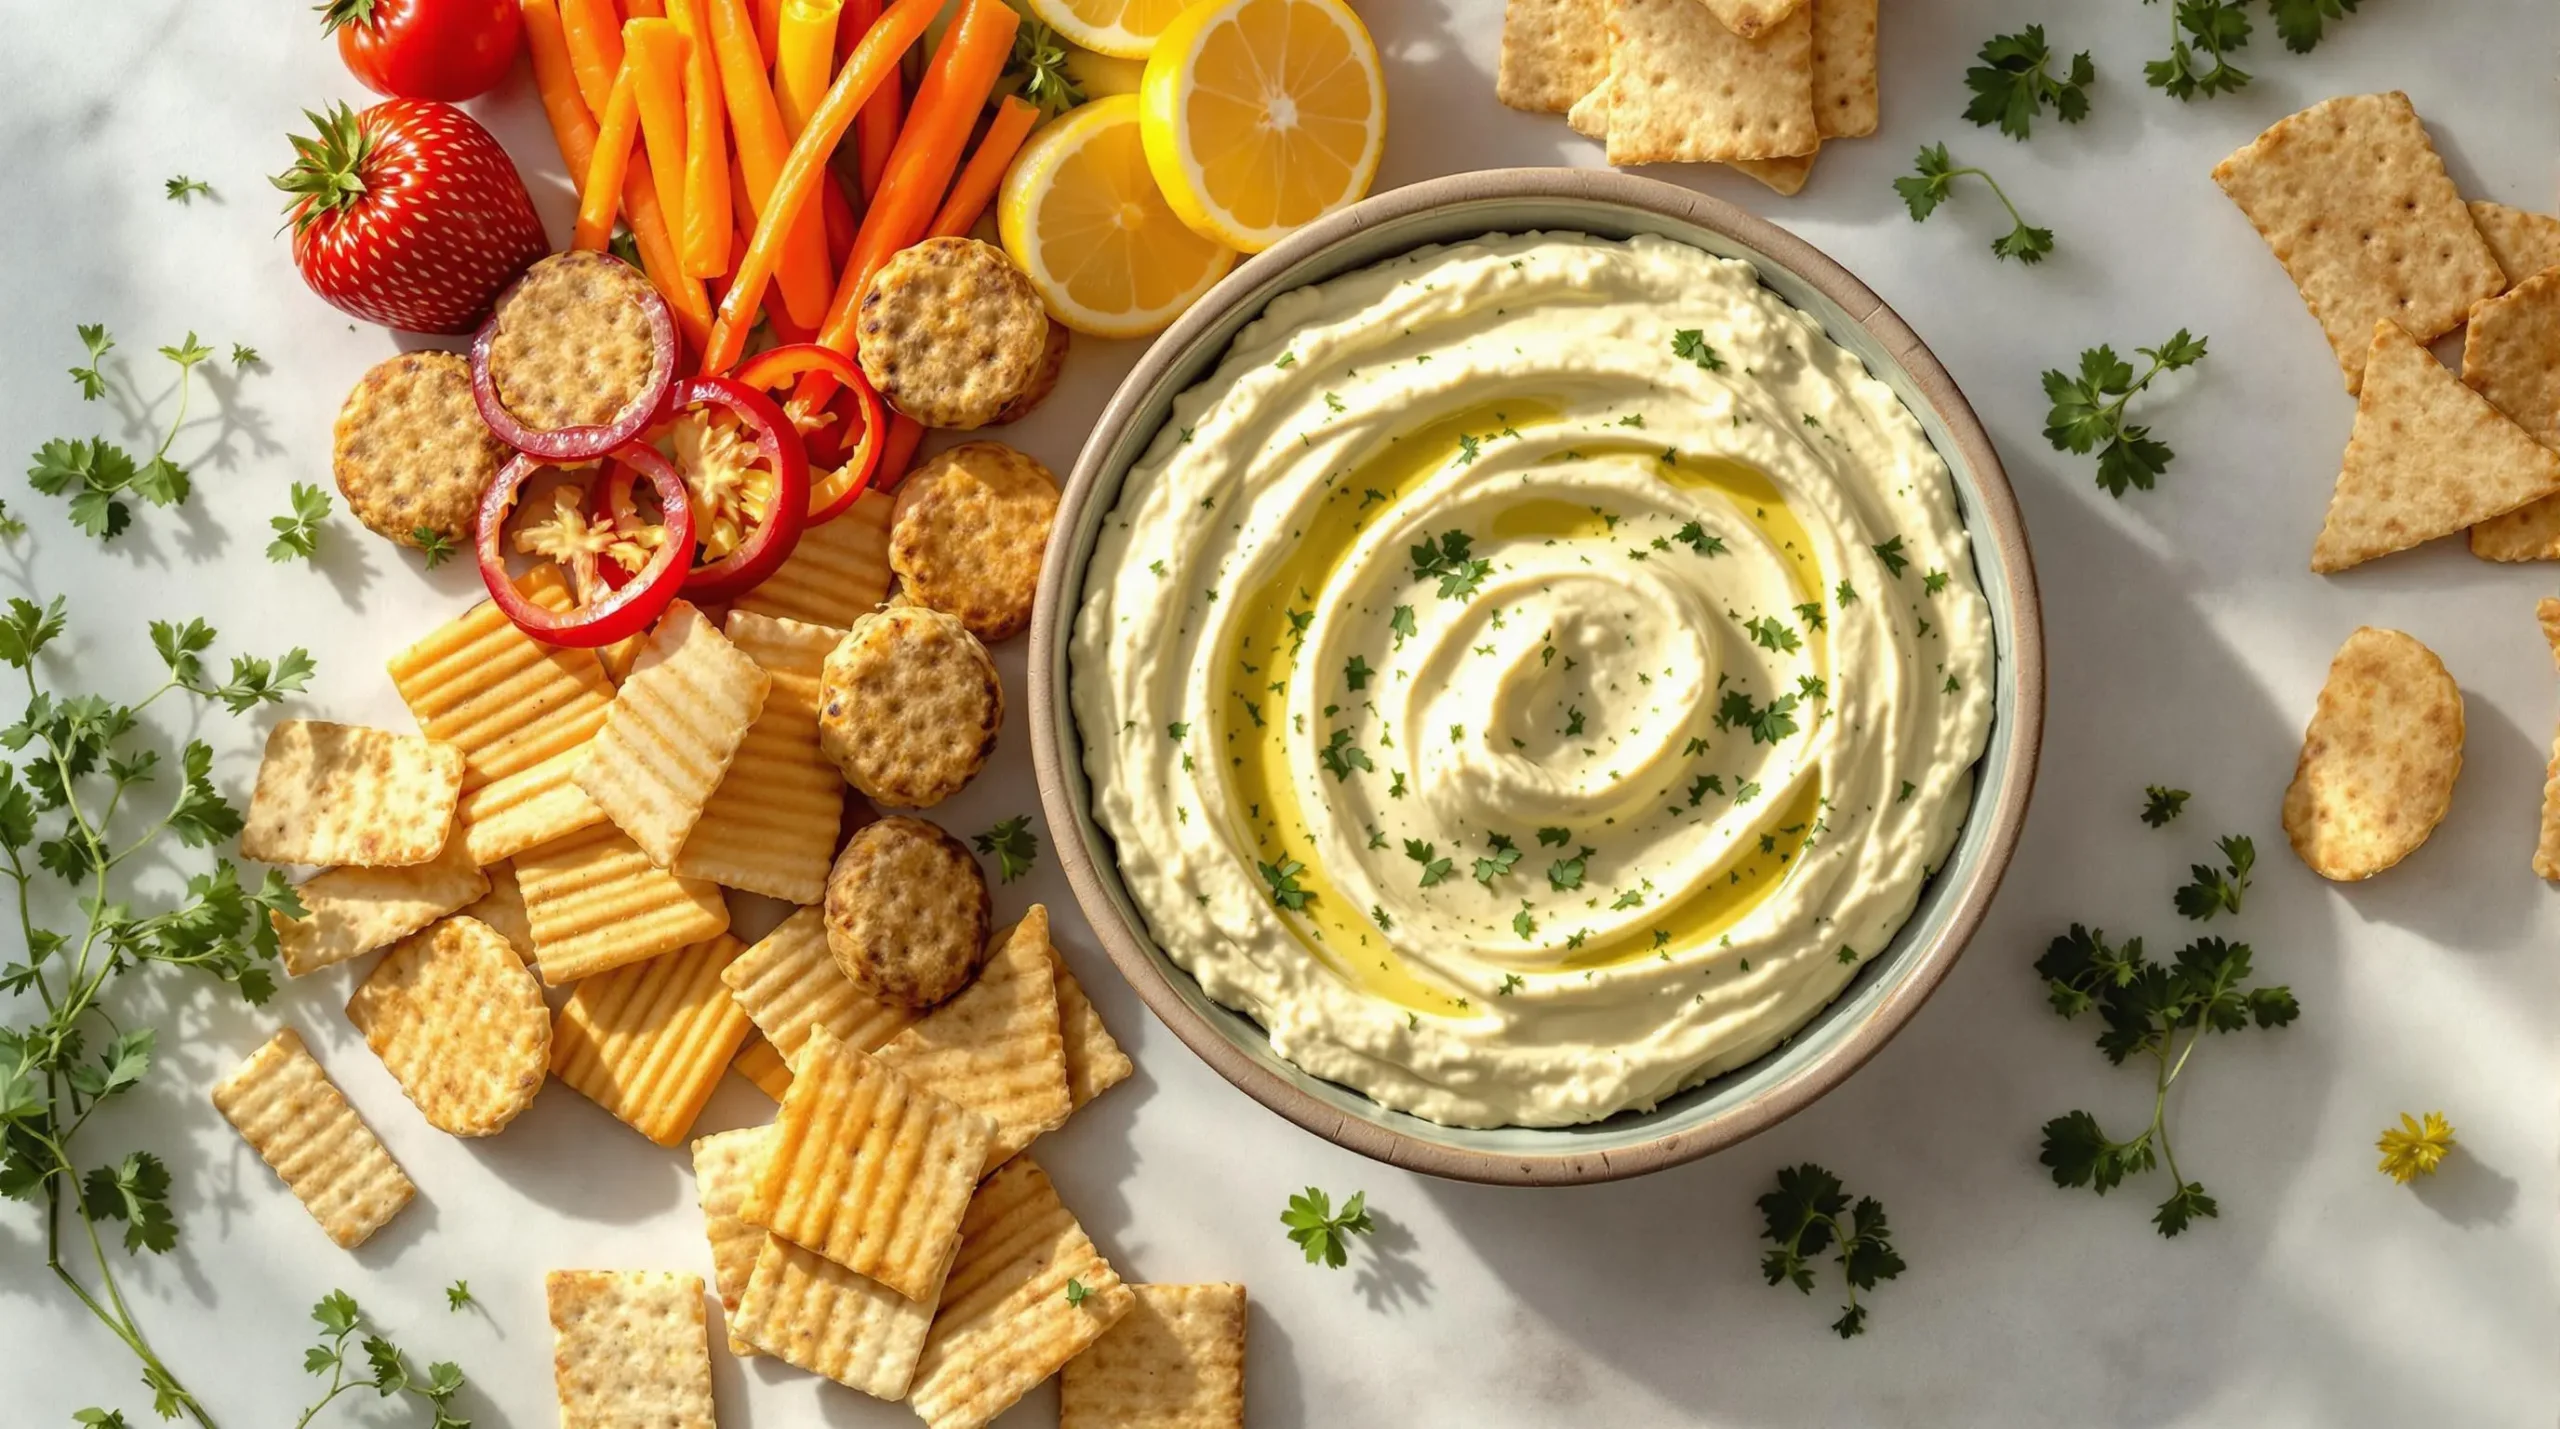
(596, 902)
(527, 809)
(1175, 1361)
(1844, 71)
(649, 1040)
(1748, 18)
(300, 1124)
(870, 1170)
(1004, 1324)
(725, 1168)
(837, 574)
(1589, 116)
(771, 826)
(348, 912)
(672, 731)
(2524, 243)
(1095, 1063)
(2353, 199)
(805, 1310)
(2511, 356)
(1684, 88)
(1786, 176)
(997, 1047)
(2428, 457)
(629, 1349)
(459, 1023)
(762, 1066)
(1553, 52)
(789, 984)
(506, 700)
(343, 794)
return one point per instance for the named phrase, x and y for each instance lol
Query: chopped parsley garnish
(1697, 539)
(1434, 868)
(1402, 623)
(1014, 846)
(2161, 804)
(1505, 854)
(1355, 673)
(1282, 879)
(1770, 633)
(1768, 724)
(1565, 874)
(1691, 343)
(1890, 552)
(1552, 837)
(1341, 757)
(1450, 558)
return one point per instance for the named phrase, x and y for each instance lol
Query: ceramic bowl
(1886, 992)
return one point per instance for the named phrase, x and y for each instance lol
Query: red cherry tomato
(426, 49)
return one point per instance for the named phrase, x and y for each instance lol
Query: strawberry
(408, 214)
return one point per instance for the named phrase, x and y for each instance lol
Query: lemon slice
(1081, 215)
(1262, 115)
(1126, 28)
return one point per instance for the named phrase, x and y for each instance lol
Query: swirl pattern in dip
(1530, 677)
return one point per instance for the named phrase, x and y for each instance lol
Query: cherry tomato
(426, 49)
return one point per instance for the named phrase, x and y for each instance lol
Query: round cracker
(908, 912)
(969, 532)
(410, 452)
(2379, 759)
(460, 1023)
(574, 346)
(909, 706)
(952, 332)
(1053, 361)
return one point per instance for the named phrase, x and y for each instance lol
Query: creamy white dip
(1529, 677)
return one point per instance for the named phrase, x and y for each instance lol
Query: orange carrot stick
(797, 186)
(704, 234)
(769, 30)
(875, 137)
(976, 186)
(595, 48)
(841, 221)
(655, 52)
(897, 450)
(644, 10)
(956, 85)
(859, 16)
(611, 164)
(805, 59)
(756, 122)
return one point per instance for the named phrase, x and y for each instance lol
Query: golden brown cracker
(1005, 1323)
(649, 1040)
(502, 908)
(2524, 243)
(671, 732)
(2511, 355)
(409, 450)
(596, 902)
(528, 809)
(809, 1312)
(971, 529)
(770, 827)
(907, 912)
(997, 1047)
(725, 1168)
(837, 574)
(1553, 52)
(300, 1124)
(1786, 176)
(1095, 1061)
(1747, 18)
(1683, 87)
(762, 1066)
(332, 794)
(1044, 376)
(869, 1169)
(951, 332)
(348, 912)
(2428, 457)
(1589, 116)
(506, 700)
(789, 984)
(459, 1023)
(574, 345)
(629, 1349)
(1844, 72)
(2357, 206)
(1175, 1361)
(910, 706)
(2379, 759)
(2546, 851)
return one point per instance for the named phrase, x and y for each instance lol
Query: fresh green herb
(1511, 983)
(182, 189)
(1077, 1292)
(1572, 721)
(2216, 29)
(625, 245)
(1847, 594)
(1450, 558)
(2088, 412)
(1282, 879)
(1038, 70)
(457, 1296)
(1770, 633)
(1703, 785)
(10, 525)
(1434, 867)
(1804, 1217)
(98, 473)
(1505, 854)
(2302, 22)
(433, 544)
(1287, 361)
(1690, 344)
(1323, 1235)
(93, 378)
(1565, 874)
(1014, 846)
(299, 533)
(1402, 623)
(1355, 673)
(1933, 179)
(1697, 539)
(1890, 552)
(1768, 724)
(1552, 837)
(1178, 730)
(1632, 419)
(1810, 612)
(2012, 84)
(243, 356)
(1523, 924)
(1340, 756)
(59, 809)
(2218, 890)
(385, 1370)
(2160, 804)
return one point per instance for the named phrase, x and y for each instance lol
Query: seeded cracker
(838, 573)
(297, 1121)
(573, 347)
(526, 810)
(2523, 243)
(629, 1350)
(807, 1311)
(770, 827)
(506, 700)
(1683, 87)
(2546, 852)
(648, 1041)
(869, 1170)
(971, 527)
(951, 332)
(2379, 759)
(2511, 355)
(410, 452)
(997, 1048)
(671, 732)
(352, 911)
(1175, 1361)
(2353, 199)
(596, 902)
(1004, 1324)
(907, 913)
(459, 1023)
(1553, 52)
(910, 706)
(789, 984)
(2428, 457)
(343, 794)
(725, 1168)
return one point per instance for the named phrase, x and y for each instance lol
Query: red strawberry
(408, 214)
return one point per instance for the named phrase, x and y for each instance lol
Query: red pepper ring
(577, 443)
(762, 551)
(628, 610)
(775, 366)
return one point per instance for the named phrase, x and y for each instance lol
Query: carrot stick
(611, 164)
(875, 137)
(956, 85)
(858, 18)
(897, 450)
(644, 10)
(655, 51)
(769, 30)
(797, 186)
(704, 234)
(841, 222)
(595, 48)
(756, 122)
(804, 59)
(976, 186)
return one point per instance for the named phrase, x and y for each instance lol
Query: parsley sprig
(2162, 804)
(298, 532)
(1038, 70)
(2201, 31)
(1013, 846)
(1450, 558)
(1324, 1235)
(2088, 412)
(1933, 180)
(1810, 1213)
(2014, 82)
(384, 1370)
(98, 474)
(2212, 890)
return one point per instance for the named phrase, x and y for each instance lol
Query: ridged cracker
(671, 732)
(770, 827)
(2523, 242)
(459, 1023)
(971, 529)
(1175, 1361)
(629, 1349)
(574, 341)
(300, 1124)
(352, 911)
(762, 1066)
(1553, 52)
(2511, 355)
(409, 450)
(911, 706)
(506, 700)
(1095, 1061)
(811, 1313)
(649, 1040)
(951, 332)
(907, 912)
(596, 902)
(2379, 759)
(502, 908)
(528, 809)
(1683, 87)
(331, 794)
(725, 1168)
(837, 574)
(789, 984)
(997, 1047)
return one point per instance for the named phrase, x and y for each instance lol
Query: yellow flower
(2411, 1150)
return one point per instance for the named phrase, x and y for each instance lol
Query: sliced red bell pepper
(764, 549)
(603, 614)
(855, 401)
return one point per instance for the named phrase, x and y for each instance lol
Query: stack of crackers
(1756, 84)
(577, 821)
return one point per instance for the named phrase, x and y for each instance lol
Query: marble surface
(2187, 641)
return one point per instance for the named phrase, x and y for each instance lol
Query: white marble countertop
(2187, 640)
